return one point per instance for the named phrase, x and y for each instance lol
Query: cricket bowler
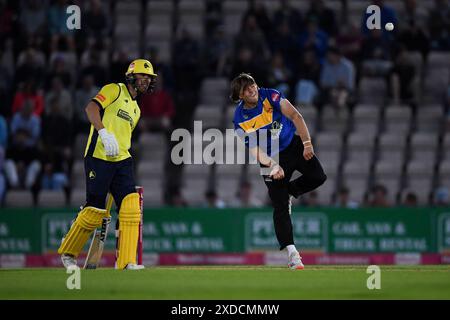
(260, 112)
(113, 114)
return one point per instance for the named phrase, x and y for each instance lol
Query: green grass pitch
(229, 282)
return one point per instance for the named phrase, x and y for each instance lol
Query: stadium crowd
(315, 57)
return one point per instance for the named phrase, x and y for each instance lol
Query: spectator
(401, 79)
(284, 41)
(307, 86)
(257, 9)
(6, 86)
(439, 25)
(441, 197)
(412, 13)
(82, 97)
(292, 16)
(60, 70)
(378, 197)
(3, 145)
(314, 38)
(93, 66)
(22, 165)
(376, 54)
(245, 198)
(337, 79)
(414, 38)
(187, 74)
(217, 52)
(311, 199)
(213, 200)
(245, 62)
(343, 199)
(57, 24)
(324, 16)
(58, 155)
(32, 17)
(30, 67)
(61, 96)
(157, 109)
(279, 76)
(7, 17)
(251, 37)
(350, 42)
(28, 93)
(96, 22)
(177, 200)
(410, 200)
(213, 17)
(120, 62)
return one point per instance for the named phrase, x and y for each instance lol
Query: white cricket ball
(389, 26)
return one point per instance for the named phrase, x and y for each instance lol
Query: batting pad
(87, 221)
(129, 218)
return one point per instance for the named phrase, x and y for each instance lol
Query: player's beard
(142, 87)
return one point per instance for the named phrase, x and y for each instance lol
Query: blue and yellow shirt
(265, 115)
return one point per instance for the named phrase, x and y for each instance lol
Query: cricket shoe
(68, 261)
(133, 266)
(295, 261)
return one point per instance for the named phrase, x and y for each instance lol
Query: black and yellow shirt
(120, 114)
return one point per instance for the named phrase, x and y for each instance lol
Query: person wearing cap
(113, 114)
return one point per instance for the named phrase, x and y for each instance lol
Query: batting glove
(109, 142)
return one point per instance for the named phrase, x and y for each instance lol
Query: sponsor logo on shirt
(100, 97)
(275, 96)
(124, 115)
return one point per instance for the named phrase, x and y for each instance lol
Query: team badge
(92, 174)
(275, 96)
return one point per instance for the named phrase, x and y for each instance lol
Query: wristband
(307, 141)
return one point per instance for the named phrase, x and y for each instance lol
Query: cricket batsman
(113, 114)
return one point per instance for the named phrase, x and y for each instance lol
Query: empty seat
(398, 119)
(356, 169)
(357, 155)
(424, 146)
(372, 90)
(49, 198)
(210, 116)
(18, 199)
(357, 188)
(333, 120)
(159, 7)
(366, 118)
(419, 169)
(361, 141)
(214, 91)
(444, 169)
(429, 118)
(326, 191)
(386, 169)
(327, 141)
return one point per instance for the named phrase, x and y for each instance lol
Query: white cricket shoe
(295, 261)
(133, 266)
(68, 261)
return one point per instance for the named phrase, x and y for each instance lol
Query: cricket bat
(98, 239)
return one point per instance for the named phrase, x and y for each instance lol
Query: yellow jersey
(120, 114)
